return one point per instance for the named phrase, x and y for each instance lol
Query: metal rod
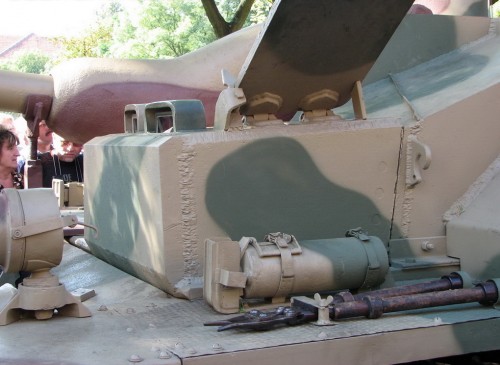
(452, 281)
(373, 307)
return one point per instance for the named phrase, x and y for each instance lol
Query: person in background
(44, 141)
(17, 127)
(64, 161)
(7, 121)
(45, 137)
(22, 133)
(9, 177)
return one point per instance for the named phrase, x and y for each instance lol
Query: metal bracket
(43, 226)
(318, 105)
(223, 280)
(174, 116)
(358, 101)
(37, 109)
(69, 194)
(231, 279)
(234, 111)
(227, 107)
(135, 118)
(261, 110)
(419, 158)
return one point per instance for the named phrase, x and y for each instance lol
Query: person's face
(9, 155)
(44, 133)
(69, 151)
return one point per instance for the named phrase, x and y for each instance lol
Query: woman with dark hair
(9, 178)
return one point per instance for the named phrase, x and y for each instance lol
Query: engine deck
(134, 320)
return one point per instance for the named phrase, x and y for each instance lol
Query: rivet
(130, 329)
(383, 167)
(191, 351)
(135, 358)
(217, 347)
(17, 234)
(179, 345)
(102, 308)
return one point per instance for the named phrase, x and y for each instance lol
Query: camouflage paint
(161, 196)
(103, 103)
(273, 185)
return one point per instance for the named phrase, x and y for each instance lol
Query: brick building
(12, 46)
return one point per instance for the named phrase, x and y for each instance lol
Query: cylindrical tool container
(275, 270)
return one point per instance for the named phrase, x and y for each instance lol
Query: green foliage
(155, 29)
(259, 12)
(30, 62)
(95, 43)
(163, 29)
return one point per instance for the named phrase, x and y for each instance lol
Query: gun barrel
(15, 87)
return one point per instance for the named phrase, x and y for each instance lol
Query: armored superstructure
(414, 162)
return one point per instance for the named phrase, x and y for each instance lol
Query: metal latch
(287, 246)
(359, 233)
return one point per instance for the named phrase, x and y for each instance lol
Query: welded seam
(188, 210)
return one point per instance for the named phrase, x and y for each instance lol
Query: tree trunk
(219, 24)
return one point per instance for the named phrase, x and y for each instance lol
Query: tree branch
(222, 27)
(215, 18)
(241, 15)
